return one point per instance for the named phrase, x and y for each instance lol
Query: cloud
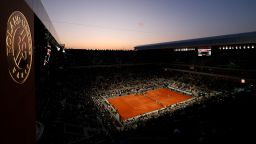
(140, 24)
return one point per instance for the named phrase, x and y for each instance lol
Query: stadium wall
(21, 22)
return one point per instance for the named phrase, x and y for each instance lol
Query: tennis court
(132, 105)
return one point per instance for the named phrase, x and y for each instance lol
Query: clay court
(132, 105)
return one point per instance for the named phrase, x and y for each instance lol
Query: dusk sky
(123, 24)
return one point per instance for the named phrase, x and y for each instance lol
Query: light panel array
(237, 47)
(184, 49)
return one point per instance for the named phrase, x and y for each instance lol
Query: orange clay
(132, 105)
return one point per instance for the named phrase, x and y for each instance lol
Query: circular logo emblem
(18, 47)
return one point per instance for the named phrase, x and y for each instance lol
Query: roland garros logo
(18, 47)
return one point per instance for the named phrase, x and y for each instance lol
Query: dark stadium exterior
(248, 38)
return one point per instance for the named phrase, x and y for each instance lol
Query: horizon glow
(124, 24)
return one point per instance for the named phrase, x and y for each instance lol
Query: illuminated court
(133, 105)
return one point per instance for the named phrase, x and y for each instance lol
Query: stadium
(198, 90)
(158, 94)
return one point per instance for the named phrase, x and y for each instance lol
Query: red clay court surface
(132, 105)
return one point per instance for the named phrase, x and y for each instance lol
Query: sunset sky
(123, 24)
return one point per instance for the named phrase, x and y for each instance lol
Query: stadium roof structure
(41, 13)
(241, 38)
